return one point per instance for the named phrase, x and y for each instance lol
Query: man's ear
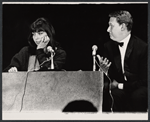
(123, 26)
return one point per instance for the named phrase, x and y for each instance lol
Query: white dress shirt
(122, 52)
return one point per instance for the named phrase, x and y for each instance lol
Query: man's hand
(114, 84)
(104, 64)
(45, 40)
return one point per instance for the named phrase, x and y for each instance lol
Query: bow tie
(119, 43)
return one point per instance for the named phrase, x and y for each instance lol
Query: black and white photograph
(75, 61)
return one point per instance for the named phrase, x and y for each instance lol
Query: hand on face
(41, 39)
(43, 43)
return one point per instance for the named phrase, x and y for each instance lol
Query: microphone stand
(52, 61)
(94, 66)
(94, 47)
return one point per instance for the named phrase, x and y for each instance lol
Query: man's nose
(108, 29)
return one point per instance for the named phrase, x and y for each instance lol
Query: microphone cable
(48, 59)
(25, 86)
(109, 86)
(14, 101)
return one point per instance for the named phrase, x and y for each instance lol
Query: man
(126, 65)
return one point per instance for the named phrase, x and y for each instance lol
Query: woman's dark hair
(42, 24)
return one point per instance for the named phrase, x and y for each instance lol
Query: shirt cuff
(120, 86)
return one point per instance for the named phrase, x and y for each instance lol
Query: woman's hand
(13, 69)
(45, 40)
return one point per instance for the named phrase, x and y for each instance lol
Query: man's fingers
(104, 60)
(109, 64)
(99, 58)
(107, 61)
(104, 63)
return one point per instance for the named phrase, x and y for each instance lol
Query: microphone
(50, 49)
(94, 48)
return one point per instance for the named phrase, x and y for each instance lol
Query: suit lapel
(129, 49)
(114, 50)
(127, 54)
(117, 59)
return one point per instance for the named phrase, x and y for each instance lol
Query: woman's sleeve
(19, 60)
(59, 59)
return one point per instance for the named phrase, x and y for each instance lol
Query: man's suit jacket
(135, 63)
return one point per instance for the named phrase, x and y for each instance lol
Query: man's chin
(112, 38)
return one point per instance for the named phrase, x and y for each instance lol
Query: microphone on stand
(94, 48)
(50, 49)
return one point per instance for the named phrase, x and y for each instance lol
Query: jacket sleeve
(140, 79)
(19, 60)
(59, 59)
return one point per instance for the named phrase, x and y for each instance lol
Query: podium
(50, 90)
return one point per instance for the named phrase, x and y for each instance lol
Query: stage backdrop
(78, 27)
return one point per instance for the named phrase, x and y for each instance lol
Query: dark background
(78, 27)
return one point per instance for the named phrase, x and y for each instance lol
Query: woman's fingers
(46, 39)
(13, 69)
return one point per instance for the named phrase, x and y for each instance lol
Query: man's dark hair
(123, 17)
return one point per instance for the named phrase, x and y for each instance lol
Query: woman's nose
(36, 34)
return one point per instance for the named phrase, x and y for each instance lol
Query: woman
(43, 52)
